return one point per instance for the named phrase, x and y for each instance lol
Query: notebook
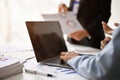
(47, 41)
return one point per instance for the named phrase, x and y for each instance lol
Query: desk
(24, 76)
(28, 76)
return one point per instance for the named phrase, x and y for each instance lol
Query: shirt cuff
(73, 60)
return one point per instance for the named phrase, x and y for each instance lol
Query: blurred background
(14, 13)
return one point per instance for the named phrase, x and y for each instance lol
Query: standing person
(103, 66)
(90, 13)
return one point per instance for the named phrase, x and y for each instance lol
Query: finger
(61, 57)
(116, 24)
(75, 33)
(62, 61)
(106, 28)
(104, 24)
(105, 42)
(62, 53)
(72, 35)
(107, 39)
(102, 44)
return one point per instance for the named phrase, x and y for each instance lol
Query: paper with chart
(68, 21)
(60, 73)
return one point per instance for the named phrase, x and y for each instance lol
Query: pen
(39, 73)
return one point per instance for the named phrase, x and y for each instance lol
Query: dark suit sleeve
(103, 66)
(71, 5)
(104, 12)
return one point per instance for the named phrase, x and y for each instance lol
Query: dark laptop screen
(47, 39)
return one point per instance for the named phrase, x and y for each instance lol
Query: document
(68, 21)
(9, 66)
(58, 72)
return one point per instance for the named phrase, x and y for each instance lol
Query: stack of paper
(9, 67)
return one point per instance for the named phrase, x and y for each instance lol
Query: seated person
(102, 66)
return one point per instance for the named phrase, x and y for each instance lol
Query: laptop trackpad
(56, 62)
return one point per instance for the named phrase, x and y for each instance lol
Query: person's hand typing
(67, 55)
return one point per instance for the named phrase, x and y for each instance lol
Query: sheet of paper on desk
(64, 74)
(68, 21)
(61, 73)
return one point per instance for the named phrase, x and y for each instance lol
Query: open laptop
(48, 42)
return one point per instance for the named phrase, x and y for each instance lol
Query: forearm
(103, 15)
(82, 65)
(91, 67)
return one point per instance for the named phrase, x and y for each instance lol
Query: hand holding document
(68, 21)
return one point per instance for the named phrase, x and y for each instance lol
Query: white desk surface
(28, 76)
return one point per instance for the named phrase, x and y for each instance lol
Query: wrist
(87, 34)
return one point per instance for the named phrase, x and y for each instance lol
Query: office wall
(14, 13)
(115, 9)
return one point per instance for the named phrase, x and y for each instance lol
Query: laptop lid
(47, 39)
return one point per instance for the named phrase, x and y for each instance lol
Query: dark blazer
(90, 15)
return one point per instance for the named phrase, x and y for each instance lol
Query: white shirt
(76, 5)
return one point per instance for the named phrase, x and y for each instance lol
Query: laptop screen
(47, 39)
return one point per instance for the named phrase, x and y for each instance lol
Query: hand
(106, 28)
(78, 35)
(104, 42)
(116, 24)
(67, 55)
(62, 8)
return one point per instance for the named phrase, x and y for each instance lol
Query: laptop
(48, 42)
